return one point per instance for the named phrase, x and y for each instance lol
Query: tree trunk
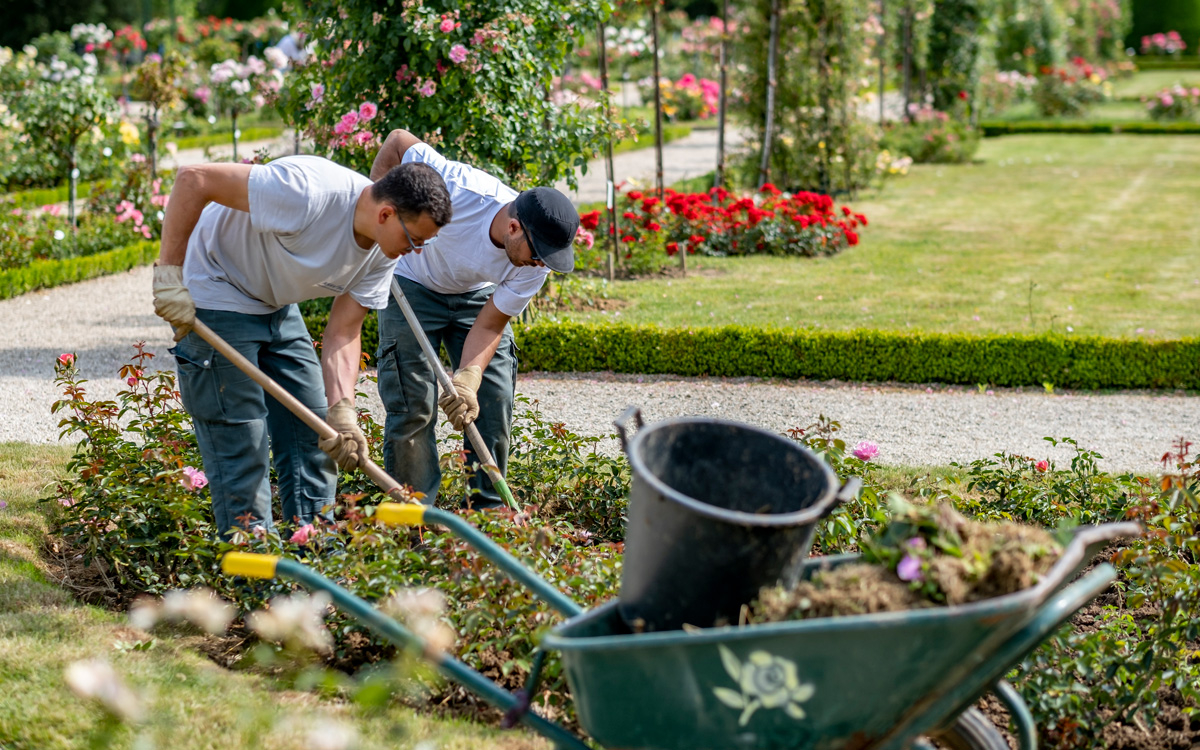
(610, 192)
(152, 142)
(720, 180)
(658, 142)
(882, 57)
(906, 66)
(72, 189)
(769, 124)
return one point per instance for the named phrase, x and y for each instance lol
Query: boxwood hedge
(43, 274)
(860, 355)
(993, 128)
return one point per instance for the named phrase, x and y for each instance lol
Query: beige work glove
(462, 405)
(350, 445)
(172, 301)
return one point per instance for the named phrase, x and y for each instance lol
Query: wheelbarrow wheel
(972, 731)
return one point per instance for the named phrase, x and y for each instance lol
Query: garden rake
(447, 384)
(295, 406)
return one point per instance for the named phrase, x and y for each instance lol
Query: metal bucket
(717, 510)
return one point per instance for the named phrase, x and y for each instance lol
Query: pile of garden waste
(924, 556)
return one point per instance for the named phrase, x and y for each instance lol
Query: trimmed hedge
(1187, 63)
(863, 355)
(43, 274)
(39, 197)
(993, 128)
(860, 356)
(222, 139)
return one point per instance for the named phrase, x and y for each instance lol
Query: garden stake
(447, 384)
(295, 406)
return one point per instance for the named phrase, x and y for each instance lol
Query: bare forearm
(480, 346)
(340, 358)
(183, 211)
(341, 348)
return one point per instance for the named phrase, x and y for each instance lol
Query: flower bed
(720, 223)
(1069, 91)
(1175, 103)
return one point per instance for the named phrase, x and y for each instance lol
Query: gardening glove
(172, 301)
(350, 445)
(462, 405)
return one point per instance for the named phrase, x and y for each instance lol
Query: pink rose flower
(865, 450)
(363, 137)
(458, 53)
(342, 128)
(367, 111)
(909, 568)
(318, 92)
(302, 534)
(131, 382)
(350, 119)
(193, 479)
(428, 88)
(447, 25)
(66, 359)
(1042, 466)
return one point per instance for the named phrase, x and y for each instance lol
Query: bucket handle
(622, 424)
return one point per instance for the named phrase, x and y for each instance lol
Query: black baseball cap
(551, 222)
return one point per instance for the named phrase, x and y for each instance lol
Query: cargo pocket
(199, 382)
(391, 384)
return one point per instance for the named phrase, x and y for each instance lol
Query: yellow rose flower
(129, 133)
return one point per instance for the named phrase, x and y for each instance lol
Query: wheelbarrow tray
(848, 682)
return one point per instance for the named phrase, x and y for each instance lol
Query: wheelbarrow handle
(295, 406)
(253, 565)
(447, 383)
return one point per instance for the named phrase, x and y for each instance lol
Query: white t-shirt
(295, 244)
(462, 258)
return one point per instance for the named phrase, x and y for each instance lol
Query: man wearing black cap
(485, 267)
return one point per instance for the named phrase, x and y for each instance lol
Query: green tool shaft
(447, 384)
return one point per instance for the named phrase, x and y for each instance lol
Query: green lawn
(1104, 227)
(1150, 82)
(192, 703)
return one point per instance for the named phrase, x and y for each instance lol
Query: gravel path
(101, 319)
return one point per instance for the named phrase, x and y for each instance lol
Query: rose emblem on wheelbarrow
(764, 681)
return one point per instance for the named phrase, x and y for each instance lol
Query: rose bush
(1175, 103)
(473, 81)
(1069, 91)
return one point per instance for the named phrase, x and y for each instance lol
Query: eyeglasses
(533, 253)
(412, 245)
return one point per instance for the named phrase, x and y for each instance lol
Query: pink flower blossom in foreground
(302, 534)
(342, 128)
(367, 111)
(363, 137)
(1042, 466)
(194, 479)
(131, 381)
(458, 53)
(350, 119)
(865, 450)
(428, 88)
(909, 568)
(447, 25)
(66, 359)
(317, 91)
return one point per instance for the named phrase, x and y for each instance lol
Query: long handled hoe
(295, 406)
(447, 384)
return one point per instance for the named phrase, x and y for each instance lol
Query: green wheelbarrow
(885, 681)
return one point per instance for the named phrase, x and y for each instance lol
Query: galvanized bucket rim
(740, 518)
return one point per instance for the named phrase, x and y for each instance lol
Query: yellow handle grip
(401, 514)
(249, 564)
